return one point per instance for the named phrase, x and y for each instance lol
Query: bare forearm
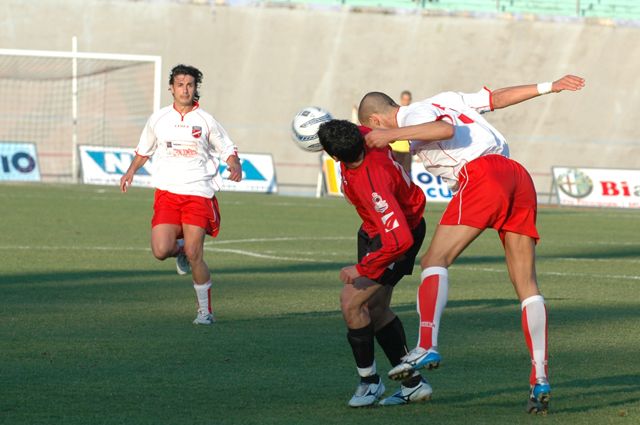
(513, 95)
(137, 163)
(428, 132)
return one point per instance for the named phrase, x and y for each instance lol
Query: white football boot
(367, 394)
(182, 263)
(416, 359)
(406, 395)
(204, 318)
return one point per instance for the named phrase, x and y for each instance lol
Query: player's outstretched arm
(427, 132)
(512, 95)
(127, 178)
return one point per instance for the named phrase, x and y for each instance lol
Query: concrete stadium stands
(614, 9)
(262, 64)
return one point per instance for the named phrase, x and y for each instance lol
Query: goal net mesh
(114, 100)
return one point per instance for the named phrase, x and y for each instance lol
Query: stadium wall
(262, 64)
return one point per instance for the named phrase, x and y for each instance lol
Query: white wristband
(544, 88)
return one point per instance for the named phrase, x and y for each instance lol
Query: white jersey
(185, 150)
(473, 138)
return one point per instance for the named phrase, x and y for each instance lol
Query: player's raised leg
(193, 249)
(360, 334)
(163, 240)
(520, 257)
(447, 243)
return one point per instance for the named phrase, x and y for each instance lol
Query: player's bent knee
(161, 253)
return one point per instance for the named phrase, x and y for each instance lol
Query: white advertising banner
(18, 162)
(105, 166)
(258, 174)
(597, 187)
(433, 187)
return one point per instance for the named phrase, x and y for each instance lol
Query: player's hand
(125, 181)
(378, 138)
(235, 168)
(568, 82)
(349, 274)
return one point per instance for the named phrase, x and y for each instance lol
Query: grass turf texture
(94, 330)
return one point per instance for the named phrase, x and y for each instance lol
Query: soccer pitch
(94, 330)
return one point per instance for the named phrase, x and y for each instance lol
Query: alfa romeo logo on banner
(575, 183)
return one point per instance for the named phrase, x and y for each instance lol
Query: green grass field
(94, 330)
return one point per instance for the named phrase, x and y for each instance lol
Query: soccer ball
(305, 127)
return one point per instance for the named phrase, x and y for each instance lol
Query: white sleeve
(221, 142)
(480, 101)
(148, 141)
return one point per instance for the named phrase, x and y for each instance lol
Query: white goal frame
(74, 55)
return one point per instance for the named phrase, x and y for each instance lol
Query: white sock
(534, 326)
(203, 294)
(367, 371)
(432, 299)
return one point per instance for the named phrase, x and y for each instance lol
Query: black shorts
(397, 270)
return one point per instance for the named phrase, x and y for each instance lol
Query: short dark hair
(405, 93)
(374, 102)
(341, 139)
(182, 69)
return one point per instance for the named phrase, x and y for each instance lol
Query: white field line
(543, 273)
(308, 260)
(269, 257)
(605, 243)
(113, 248)
(598, 260)
(281, 239)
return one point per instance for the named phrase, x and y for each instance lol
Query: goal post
(58, 100)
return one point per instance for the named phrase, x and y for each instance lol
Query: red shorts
(495, 192)
(170, 208)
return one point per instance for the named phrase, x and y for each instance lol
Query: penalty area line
(265, 256)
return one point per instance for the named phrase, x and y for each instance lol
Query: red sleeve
(390, 223)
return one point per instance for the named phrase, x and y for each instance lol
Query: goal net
(60, 100)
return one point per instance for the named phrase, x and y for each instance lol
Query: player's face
(183, 89)
(405, 100)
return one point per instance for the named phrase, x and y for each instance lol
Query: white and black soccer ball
(305, 127)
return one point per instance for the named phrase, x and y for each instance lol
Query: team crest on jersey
(379, 204)
(196, 131)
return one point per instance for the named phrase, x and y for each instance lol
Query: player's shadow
(626, 388)
(569, 396)
(39, 279)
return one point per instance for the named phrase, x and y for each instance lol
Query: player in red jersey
(392, 231)
(456, 143)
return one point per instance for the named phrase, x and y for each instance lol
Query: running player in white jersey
(491, 191)
(185, 143)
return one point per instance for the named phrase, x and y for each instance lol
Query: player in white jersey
(185, 143)
(455, 142)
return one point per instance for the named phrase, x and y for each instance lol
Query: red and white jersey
(185, 150)
(389, 204)
(473, 138)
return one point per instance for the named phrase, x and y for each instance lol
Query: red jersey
(388, 202)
